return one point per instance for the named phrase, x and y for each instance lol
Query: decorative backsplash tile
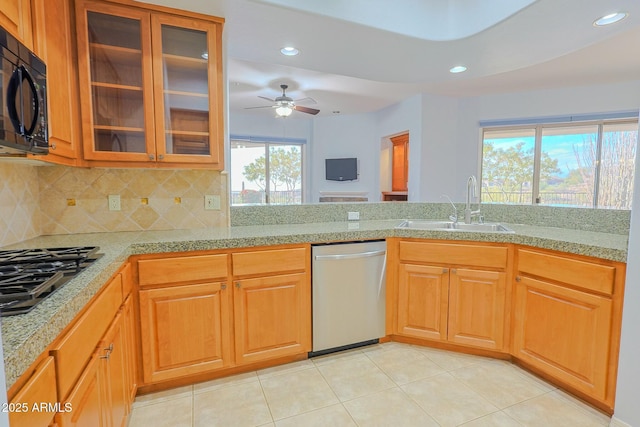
(75, 200)
(19, 205)
(42, 200)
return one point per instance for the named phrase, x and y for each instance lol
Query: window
(265, 171)
(589, 164)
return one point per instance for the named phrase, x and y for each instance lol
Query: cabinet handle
(160, 156)
(223, 286)
(238, 285)
(518, 279)
(110, 348)
(151, 157)
(454, 271)
(445, 270)
(106, 356)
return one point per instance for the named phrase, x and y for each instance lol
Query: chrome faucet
(472, 187)
(453, 217)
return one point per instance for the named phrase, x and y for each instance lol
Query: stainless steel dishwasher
(348, 290)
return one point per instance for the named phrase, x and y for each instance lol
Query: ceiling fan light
(284, 111)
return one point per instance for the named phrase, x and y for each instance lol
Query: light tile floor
(389, 384)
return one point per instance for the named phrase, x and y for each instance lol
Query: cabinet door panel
(55, 45)
(15, 17)
(184, 329)
(114, 371)
(87, 399)
(39, 390)
(272, 317)
(564, 332)
(187, 112)
(114, 62)
(476, 308)
(423, 301)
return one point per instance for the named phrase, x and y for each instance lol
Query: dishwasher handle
(351, 256)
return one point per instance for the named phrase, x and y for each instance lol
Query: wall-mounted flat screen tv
(341, 169)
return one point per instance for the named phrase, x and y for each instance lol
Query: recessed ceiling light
(612, 18)
(289, 51)
(458, 69)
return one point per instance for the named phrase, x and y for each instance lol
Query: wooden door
(423, 301)
(113, 359)
(187, 90)
(55, 44)
(184, 330)
(272, 317)
(564, 332)
(116, 82)
(15, 17)
(400, 163)
(87, 399)
(477, 308)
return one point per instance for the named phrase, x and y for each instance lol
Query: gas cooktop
(28, 276)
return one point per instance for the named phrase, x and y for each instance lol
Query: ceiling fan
(285, 105)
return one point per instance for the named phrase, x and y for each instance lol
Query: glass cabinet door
(118, 43)
(186, 114)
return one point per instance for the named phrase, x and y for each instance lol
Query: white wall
(627, 410)
(405, 116)
(345, 136)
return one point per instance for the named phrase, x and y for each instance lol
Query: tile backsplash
(62, 200)
(19, 203)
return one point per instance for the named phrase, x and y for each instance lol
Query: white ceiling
(349, 64)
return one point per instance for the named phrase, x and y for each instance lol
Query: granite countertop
(26, 336)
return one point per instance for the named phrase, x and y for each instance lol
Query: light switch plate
(211, 202)
(353, 216)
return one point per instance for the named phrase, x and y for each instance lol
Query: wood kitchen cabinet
(452, 293)
(152, 86)
(185, 314)
(272, 303)
(39, 389)
(55, 43)
(400, 162)
(203, 313)
(567, 314)
(15, 17)
(92, 361)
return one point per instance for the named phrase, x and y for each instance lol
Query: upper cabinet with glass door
(150, 86)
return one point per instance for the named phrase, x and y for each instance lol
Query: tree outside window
(266, 173)
(587, 165)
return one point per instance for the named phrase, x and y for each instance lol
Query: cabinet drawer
(74, 350)
(267, 262)
(181, 269)
(448, 253)
(581, 274)
(39, 390)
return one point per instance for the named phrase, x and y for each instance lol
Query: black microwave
(23, 99)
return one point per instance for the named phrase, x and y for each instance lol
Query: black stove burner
(27, 276)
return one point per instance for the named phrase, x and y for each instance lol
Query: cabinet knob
(518, 279)
(151, 157)
(454, 271)
(238, 285)
(445, 270)
(160, 156)
(223, 286)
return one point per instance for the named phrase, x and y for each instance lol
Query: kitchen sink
(487, 227)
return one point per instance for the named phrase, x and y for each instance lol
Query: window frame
(538, 128)
(268, 142)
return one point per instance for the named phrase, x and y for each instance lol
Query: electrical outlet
(211, 202)
(353, 216)
(114, 202)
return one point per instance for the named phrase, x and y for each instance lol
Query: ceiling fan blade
(306, 110)
(262, 106)
(307, 100)
(268, 99)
